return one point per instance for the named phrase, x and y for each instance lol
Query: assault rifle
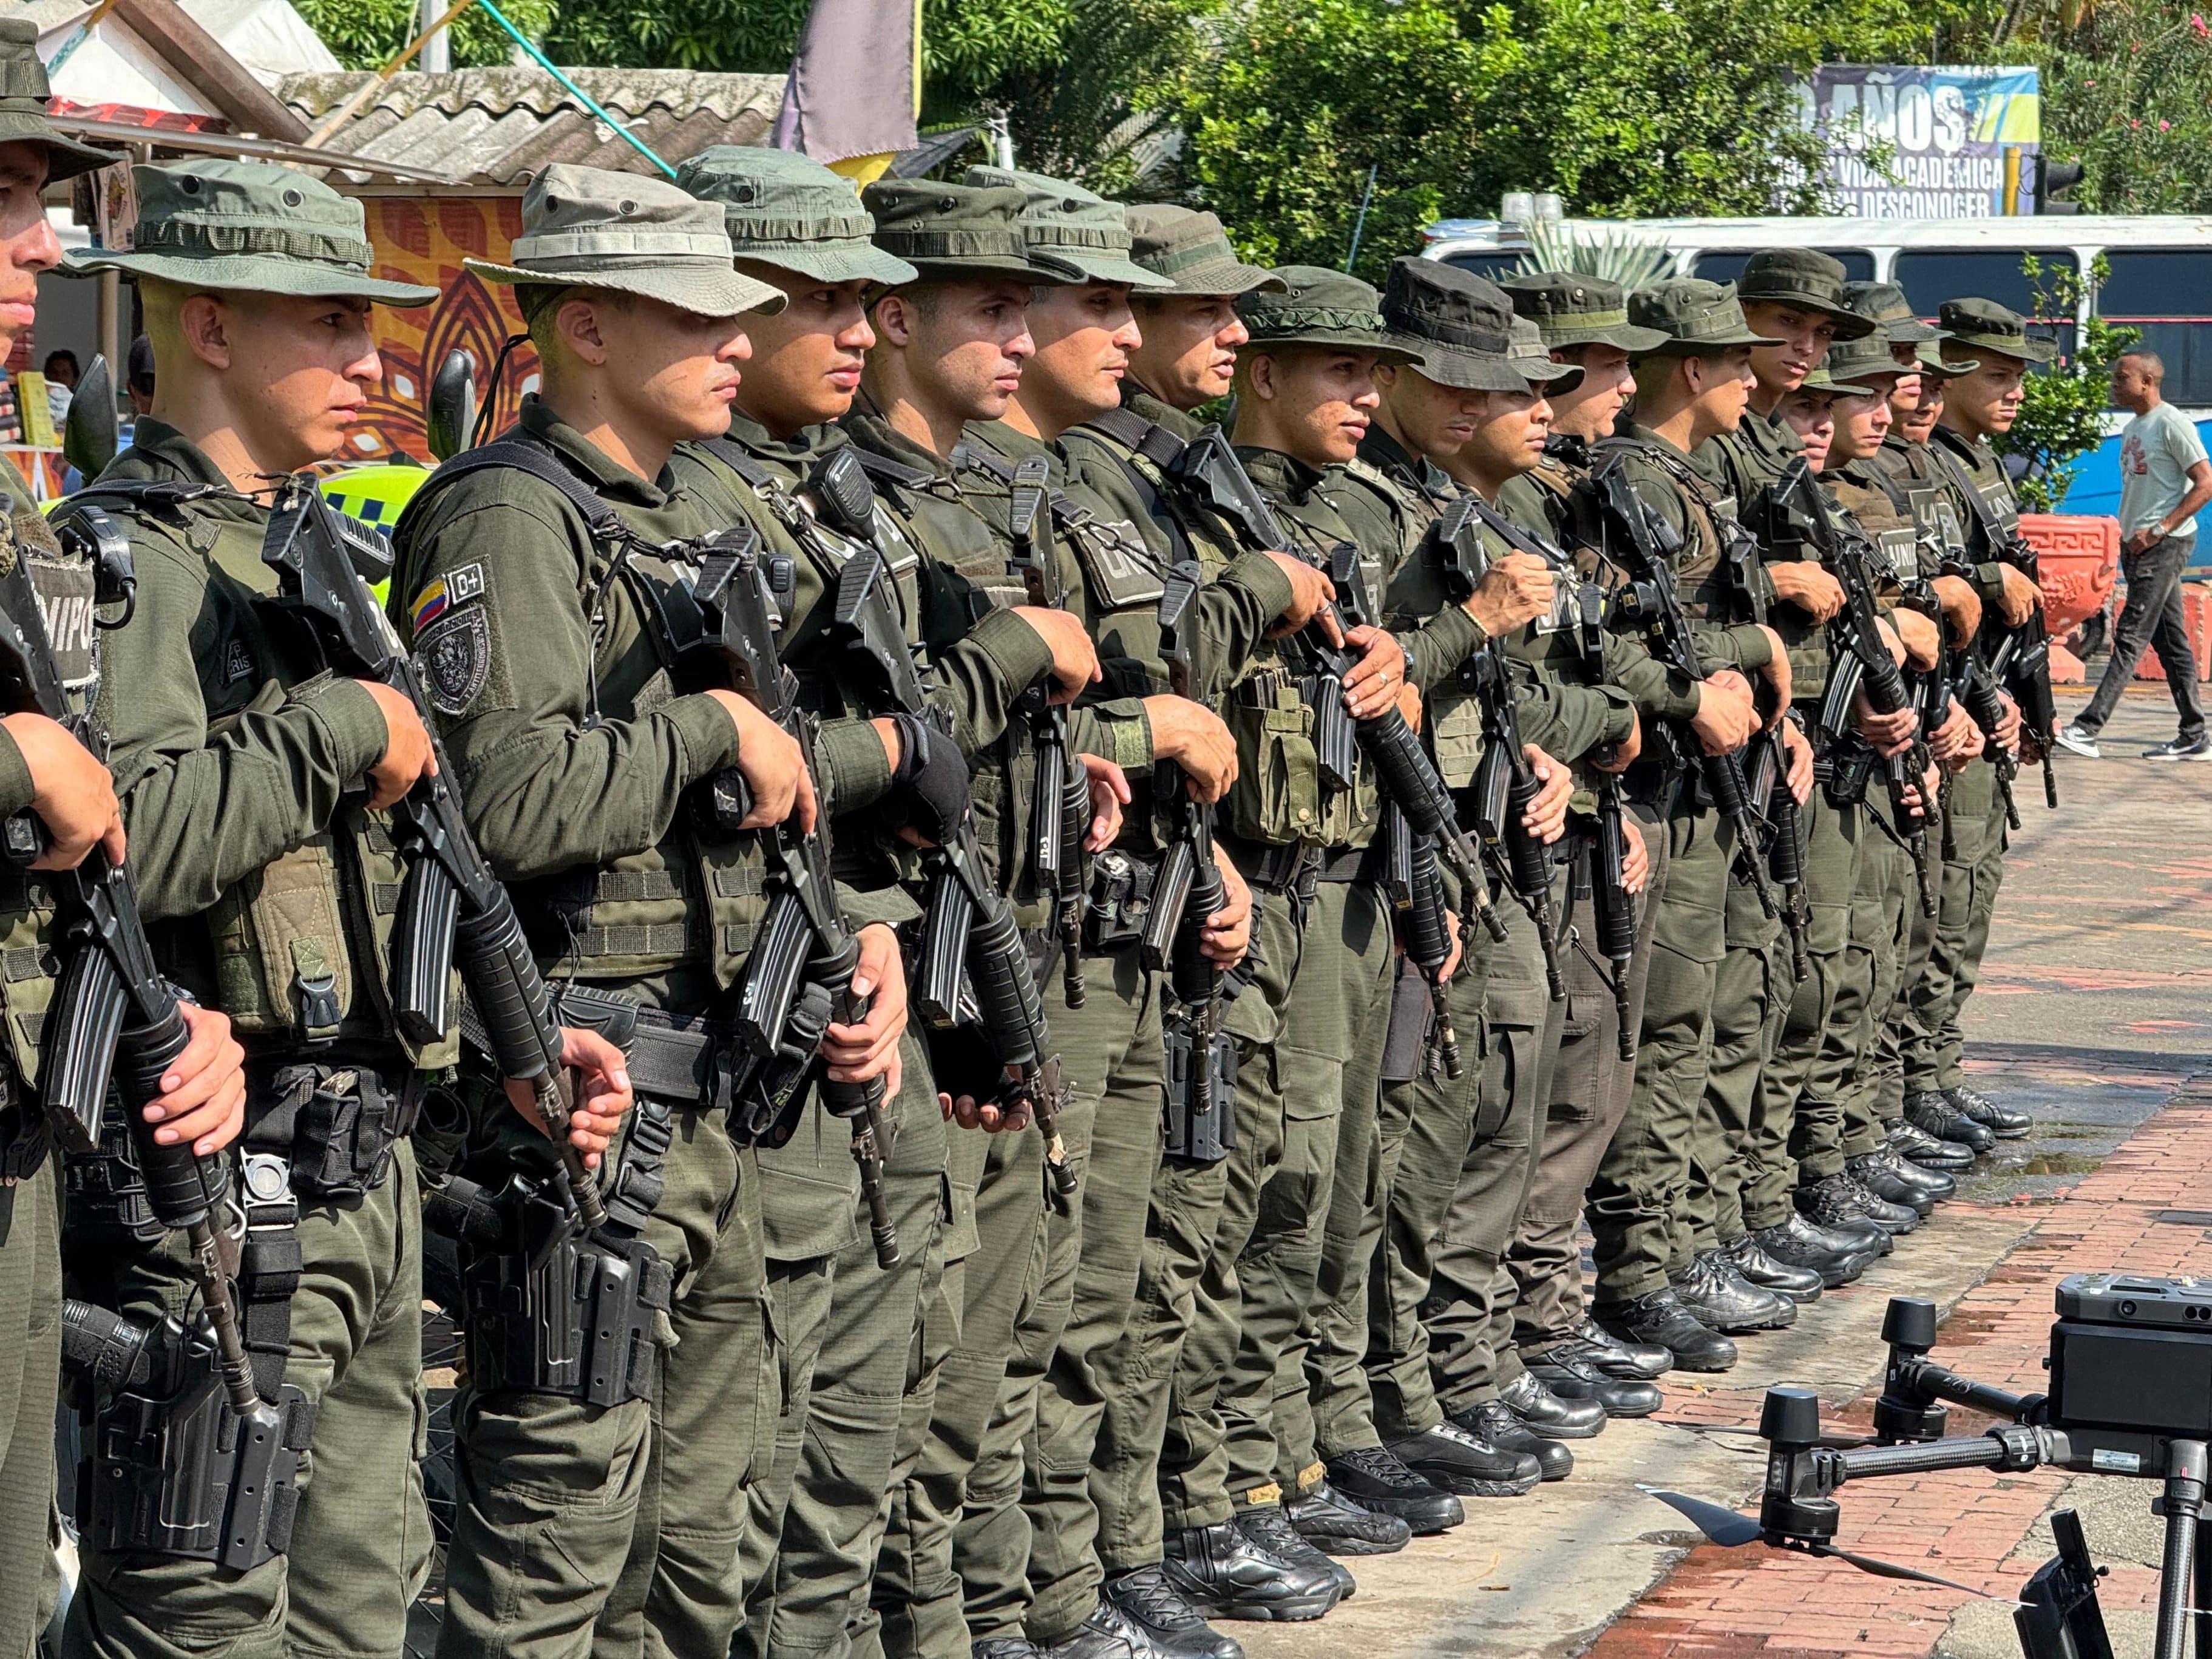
(1060, 810)
(1651, 601)
(1209, 467)
(1612, 906)
(1415, 887)
(115, 1018)
(454, 911)
(969, 932)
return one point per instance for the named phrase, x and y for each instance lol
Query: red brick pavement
(1726, 1604)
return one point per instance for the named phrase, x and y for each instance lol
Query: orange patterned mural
(424, 239)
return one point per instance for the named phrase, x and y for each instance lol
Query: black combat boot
(1329, 1521)
(1833, 1204)
(1621, 1357)
(1659, 1317)
(1448, 1456)
(1873, 1171)
(1145, 1598)
(1571, 1374)
(1916, 1146)
(1224, 1573)
(1800, 1285)
(1724, 1299)
(1897, 1218)
(1110, 1633)
(1932, 1114)
(1266, 1525)
(1373, 1479)
(1493, 1424)
(1011, 1647)
(2003, 1121)
(1935, 1184)
(1545, 1414)
(1797, 1242)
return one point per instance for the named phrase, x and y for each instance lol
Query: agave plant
(1613, 252)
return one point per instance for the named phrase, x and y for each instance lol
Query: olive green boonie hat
(1852, 366)
(1573, 310)
(1461, 324)
(1929, 356)
(1317, 307)
(1192, 251)
(1988, 326)
(1532, 360)
(1885, 304)
(24, 90)
(247, 226)
(1805, 279)
(588, 228)
(1068, 229)
(786, 210)
(1692, 316)
(953, 233)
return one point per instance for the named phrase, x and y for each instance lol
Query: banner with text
(1908, 141)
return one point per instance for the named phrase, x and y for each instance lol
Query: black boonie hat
(1803, 277)
(1988, 326)
(1570, 309)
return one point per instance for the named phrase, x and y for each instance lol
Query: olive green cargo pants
(30, 1371)
(1893, 1020)
(1973, 864)
(361, 1539)
(1881, 923)
(1636, 1197)
(1751, 986)
(1591, 1089)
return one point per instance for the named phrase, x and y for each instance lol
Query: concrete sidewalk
(2092, 1013)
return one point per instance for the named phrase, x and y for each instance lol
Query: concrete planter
(2078, 559)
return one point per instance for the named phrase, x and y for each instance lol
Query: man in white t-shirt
(2165, 478)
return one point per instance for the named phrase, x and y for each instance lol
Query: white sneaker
(2179, 749)
(2074, 740)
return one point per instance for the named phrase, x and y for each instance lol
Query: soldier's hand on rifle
(1919, 642)
(595, 1113)
(1109, 794)
(1889, 734)
(2008, 727)
(1194, 738)
(1776, 673)
(1409, 705)
(853, 1053)
(1547, 817)
(1372, 685)
(1635, 857)
(1726, 714)
(1798, 751)
(2021, 597)
(1074, 658)
(1806, 585)
(1515, 591)
(1619, 757)
(773, 770)
(1310, 590)
(407, 752)
(1961, 606)
(203, 1096)
(70, 792)
(1958, 737)
(1227, 933)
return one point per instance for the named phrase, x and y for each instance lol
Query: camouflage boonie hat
(1988, 326)
(247, 226)
(1192, 251)
(1571, 309)
(24, 92)
(1461, 324)
(1317, 307)
(786, 210)
(1532, 360)
(1692, 316)
(1885, 304)
(1068, 229)
(589, 227)
(1851, 365)
(1805, 279)
(954, 233)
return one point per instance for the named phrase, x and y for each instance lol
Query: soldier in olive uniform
(44, 771)
(1694, 385)
(583, 1524)
(267, 879)
(1977, 406)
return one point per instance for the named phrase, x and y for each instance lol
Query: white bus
(2160, 283)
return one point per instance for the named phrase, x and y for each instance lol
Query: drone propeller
(1730, 1531)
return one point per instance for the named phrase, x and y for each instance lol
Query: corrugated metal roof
(496, 126)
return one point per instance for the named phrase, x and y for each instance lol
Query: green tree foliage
(2061, 406)
(363, 34)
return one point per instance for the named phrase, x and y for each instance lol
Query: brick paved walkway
(1967, 1525)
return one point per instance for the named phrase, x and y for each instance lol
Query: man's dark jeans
(2151, 617)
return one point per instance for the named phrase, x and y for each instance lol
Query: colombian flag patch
(427, 605)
